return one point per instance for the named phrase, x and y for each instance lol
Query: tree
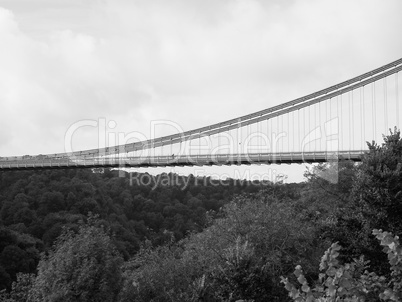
(81, 267)
(239, 256)
(378, 187)
(375, 202)
(18, 253)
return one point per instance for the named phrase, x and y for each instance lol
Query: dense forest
(93, 235)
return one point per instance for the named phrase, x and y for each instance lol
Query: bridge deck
(180, 160)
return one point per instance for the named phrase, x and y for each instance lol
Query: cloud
(46, 86)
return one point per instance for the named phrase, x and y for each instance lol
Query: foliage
(333, 179)
(239, 256)
(36, 205)
(378, 187)
(393, 249)
(161, 274)
(81, 267)
(21, 287)
(351, 282)
(18, 253)
(376, 202)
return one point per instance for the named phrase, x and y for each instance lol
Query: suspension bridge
(331, 124)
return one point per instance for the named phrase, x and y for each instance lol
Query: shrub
(351, 282)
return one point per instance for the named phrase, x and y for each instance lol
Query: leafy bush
(351, 282)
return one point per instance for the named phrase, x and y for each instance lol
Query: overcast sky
(192, 62)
